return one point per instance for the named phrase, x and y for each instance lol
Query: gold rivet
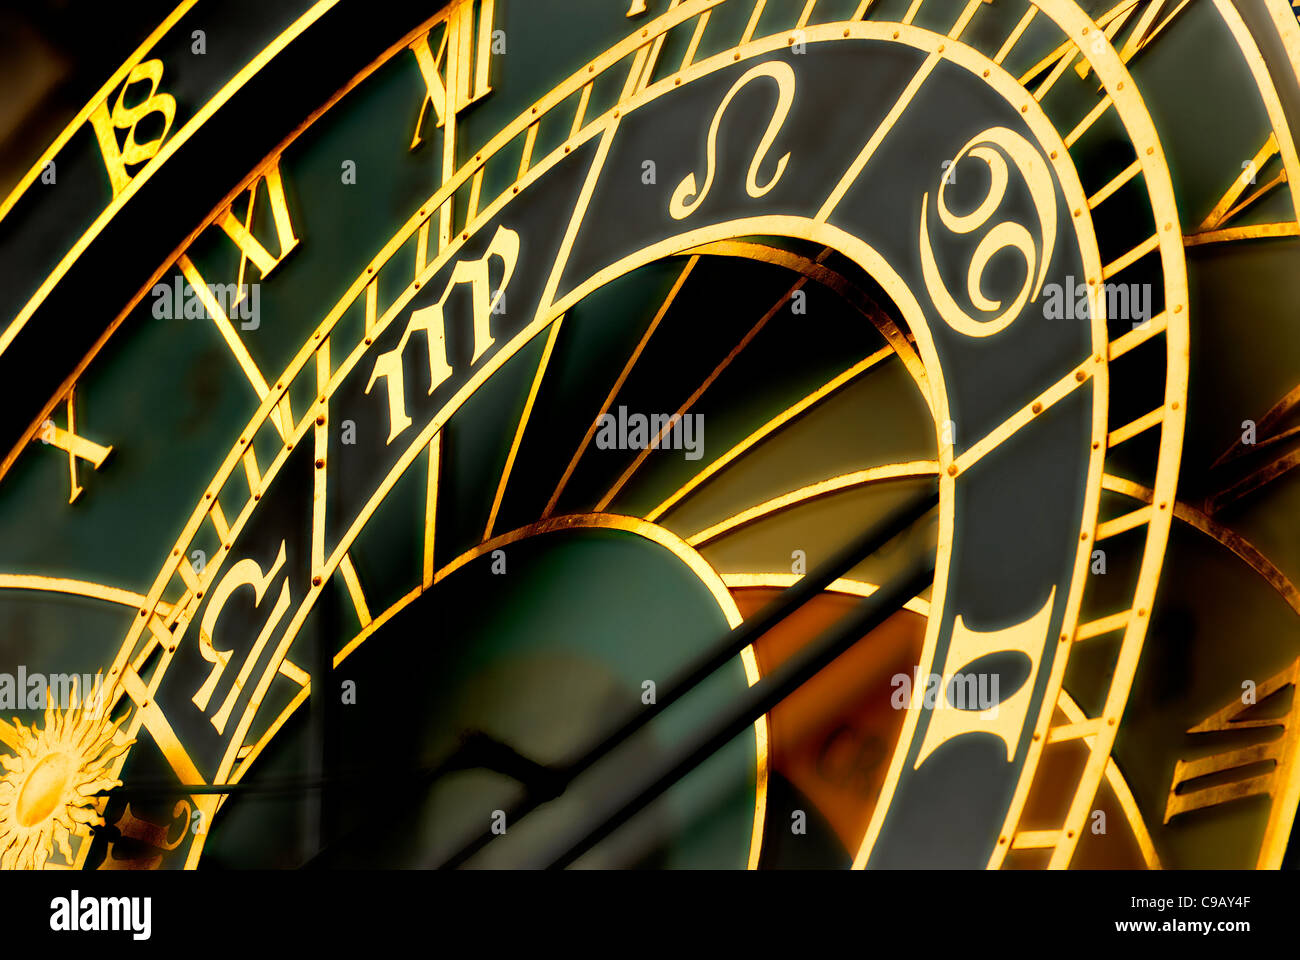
(1065, 637)
(320, 464)
(1036, 408)
(369, 341)
(1078, 213)
(952, 469)
(1150, 151)
(1080, 376)
(320, 421)
(315, 581)
(144, 613)
(1084, 536)
(736, 57)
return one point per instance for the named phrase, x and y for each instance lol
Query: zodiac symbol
(779, 71)
(1006, 234)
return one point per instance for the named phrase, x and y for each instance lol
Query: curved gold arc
(1268, 93)
(79, 588)
(665, 538)
(860, 588)
(814, 491)
(1123, 794)
(845, 585)
(786, 416)
(596, 521)
(1247, 552)
(703, 571)
(1288, 28)
(834, 282)
(84, 113)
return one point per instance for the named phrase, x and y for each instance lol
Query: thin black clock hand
(753, 703)
(546, 783)
(742, 636)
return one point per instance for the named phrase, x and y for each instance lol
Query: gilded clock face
(676, 433)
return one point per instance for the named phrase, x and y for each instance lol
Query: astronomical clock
(733, 434)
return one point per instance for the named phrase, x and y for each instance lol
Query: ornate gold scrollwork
(990, 147)
(687, 190)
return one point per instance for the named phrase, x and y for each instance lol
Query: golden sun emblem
(51, 781)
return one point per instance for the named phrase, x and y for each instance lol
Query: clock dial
(710, 433)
